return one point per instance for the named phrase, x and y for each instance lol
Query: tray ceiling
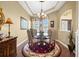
(34, 7)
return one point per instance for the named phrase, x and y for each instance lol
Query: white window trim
(61, 28)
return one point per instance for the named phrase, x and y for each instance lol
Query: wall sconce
(9, 21)
(2, 18)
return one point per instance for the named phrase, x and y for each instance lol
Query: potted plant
(71, 44)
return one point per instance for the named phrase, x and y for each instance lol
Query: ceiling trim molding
(57, 6)
(28, 7)
(47, 11)
(25, 6)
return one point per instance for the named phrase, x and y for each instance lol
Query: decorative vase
(1, 35)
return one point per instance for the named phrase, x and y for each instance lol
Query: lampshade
(8, 21)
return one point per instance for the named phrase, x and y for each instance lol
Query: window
(65, 25)
(36, 25)
(65, 20)
(23, 23)
(45, 26)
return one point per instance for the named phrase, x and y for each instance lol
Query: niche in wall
(66, 20)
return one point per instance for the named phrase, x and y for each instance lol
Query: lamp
(9, 21)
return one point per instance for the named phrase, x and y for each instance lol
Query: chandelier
(41, 15)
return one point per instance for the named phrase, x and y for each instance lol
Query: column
(77, 32)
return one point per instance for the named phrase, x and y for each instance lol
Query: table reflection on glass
(45, 36)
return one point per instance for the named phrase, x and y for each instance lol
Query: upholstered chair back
(30, 38)
(33, 32)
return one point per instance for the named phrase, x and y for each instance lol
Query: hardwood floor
(65, 52)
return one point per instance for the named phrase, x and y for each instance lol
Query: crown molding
(58, 5)
(25, 6)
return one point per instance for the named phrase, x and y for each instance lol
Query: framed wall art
(23, 23)
(51, 23)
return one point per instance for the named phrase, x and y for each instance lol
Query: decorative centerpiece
(41, 36)
(2, 35)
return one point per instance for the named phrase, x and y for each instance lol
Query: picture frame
(23, 23)
(51, 23)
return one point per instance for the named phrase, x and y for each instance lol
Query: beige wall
(53, 17)
(67, 6)
(14, 11)
(63, 36)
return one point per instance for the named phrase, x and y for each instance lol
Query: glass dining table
(44, 36)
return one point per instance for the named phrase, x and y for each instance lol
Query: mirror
(2, 18)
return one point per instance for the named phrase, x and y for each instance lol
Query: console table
(8, 47)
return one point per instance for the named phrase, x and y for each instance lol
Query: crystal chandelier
(41, 15)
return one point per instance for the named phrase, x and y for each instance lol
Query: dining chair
(33, 32)
(30, 38)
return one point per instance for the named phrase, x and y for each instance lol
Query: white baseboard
(21, 43)
(62, 43)
(56, 40)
